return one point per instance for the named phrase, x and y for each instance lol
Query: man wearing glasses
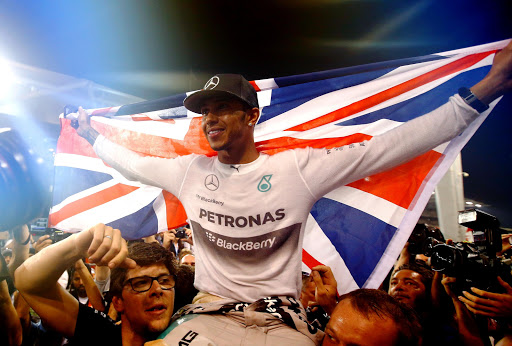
(142, 283)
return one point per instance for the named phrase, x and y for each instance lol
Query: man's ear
(253, 115)
(118, 303)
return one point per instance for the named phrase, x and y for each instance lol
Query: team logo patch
(211, 182)
(264, 184)
(212, 83)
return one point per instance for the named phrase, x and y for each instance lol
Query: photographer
(175, 240)
(495, 305)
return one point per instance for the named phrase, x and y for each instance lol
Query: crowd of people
(79, 293)
(245, 286)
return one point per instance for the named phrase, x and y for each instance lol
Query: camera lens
(445, 258)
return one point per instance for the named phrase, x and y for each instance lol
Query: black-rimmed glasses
(144, 283)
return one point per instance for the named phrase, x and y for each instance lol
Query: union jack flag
(358, 229)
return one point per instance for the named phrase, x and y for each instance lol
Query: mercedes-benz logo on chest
(211, 182)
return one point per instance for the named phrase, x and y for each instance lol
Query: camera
(423, 239)
(181, 233)
(474, 264)
(55, 234)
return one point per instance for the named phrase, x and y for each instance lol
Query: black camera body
(55, 234)
(423, 239)
(181, 233)
(474, 264)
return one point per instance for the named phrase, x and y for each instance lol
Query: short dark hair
(373, 302)
(144, 254)
(426, 273)
(7, 252)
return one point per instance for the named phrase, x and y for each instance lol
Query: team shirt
(248, 220)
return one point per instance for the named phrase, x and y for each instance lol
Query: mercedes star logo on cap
(212, 83)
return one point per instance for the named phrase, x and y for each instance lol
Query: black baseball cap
(233, 85)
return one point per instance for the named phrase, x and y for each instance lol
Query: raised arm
(93, 292)
(36, 279)
(11, 332)
(85, 129)
(499, 79)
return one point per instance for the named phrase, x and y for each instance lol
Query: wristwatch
(472, 100)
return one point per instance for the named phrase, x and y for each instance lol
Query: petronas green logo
(264, 184)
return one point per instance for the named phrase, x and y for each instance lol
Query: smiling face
(225, 124)
(146, 313)
(407, 287)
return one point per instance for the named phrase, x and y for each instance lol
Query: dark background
(153, 49)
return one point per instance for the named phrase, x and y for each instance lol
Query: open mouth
(214, 132)
(157, 308)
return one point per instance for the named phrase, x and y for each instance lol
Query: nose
(399, 286)
(155, 288)
(209, 118)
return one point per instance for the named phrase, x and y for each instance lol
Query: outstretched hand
(499, 79)
(326, 287)
(104, 246)
(85, 129)
(488, 303)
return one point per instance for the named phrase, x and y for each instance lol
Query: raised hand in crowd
(37, 278)
(326, 288)
(505, 244)
(489, 304)
(189, 238)
(467, 326)
(93, 292)
(11, 332)
(20, 249)
(168, 237)
(42, 242)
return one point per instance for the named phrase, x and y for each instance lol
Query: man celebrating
(248, 210)
(142, 288)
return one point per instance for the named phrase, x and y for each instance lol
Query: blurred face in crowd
(79, 285)
(407, 287)
(348, 326)
(147, 312)
(189, 260)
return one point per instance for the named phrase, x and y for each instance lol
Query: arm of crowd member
(11, 332)
(23, 311)
(168, 238)
(488, 303)
(93, 292)
(150, 239)
(102, 277)
(505, 244)
(36, 279)
(468, 329)
(404, 258)
(326, 288)
(499, 79)
(189, 238)
(437, 290)
(20, 249)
